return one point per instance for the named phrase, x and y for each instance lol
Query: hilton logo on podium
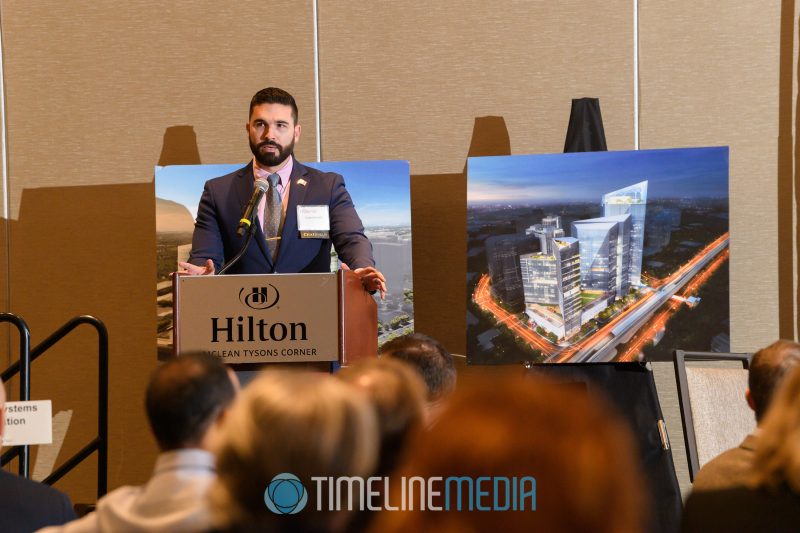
(260, 297)
(259, 319)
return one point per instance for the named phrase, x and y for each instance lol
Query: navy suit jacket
(27, 506)
(223, 203)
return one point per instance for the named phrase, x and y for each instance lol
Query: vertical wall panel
(406, 80)
(410, 80)
(709, 76)
(787, 87)
(92, 88)
(6, 357)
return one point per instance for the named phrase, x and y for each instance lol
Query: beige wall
(405, 80)
(92, 88)
(709, 77)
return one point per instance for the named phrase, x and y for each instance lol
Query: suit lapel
(244, 190)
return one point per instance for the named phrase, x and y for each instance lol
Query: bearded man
(295, 196)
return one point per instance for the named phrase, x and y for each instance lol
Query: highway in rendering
(641, 321)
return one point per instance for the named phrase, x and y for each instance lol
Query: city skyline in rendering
(576, 257)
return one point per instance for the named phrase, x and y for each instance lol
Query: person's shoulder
(55, 505)
(727, 470)
(741, 509)
(29, 488)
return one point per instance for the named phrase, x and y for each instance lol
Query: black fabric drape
(585, 132)
(631, 389)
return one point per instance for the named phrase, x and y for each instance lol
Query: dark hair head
(398, 394)
(273, 95)
(767, 369)
(429, 357)
(184, 396)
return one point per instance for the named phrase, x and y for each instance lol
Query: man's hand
(194, 270)
(371, 278)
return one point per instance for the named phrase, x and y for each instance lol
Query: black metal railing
(23, 368)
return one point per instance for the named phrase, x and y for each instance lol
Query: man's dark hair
(429, 357)
(767, 369)
(273, 95)
(183, 398)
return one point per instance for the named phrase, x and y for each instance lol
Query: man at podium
(298, 212)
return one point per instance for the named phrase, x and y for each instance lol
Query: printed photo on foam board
(597, 256)
(380, 191)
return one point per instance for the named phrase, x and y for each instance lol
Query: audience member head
(768, 367)
(582, 458)
(429, 357)
(398, 394)
(776, 464)
(186, 398)
(304, 424)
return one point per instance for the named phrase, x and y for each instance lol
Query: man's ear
(749, 398)
(297, 131)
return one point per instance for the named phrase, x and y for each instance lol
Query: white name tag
(313, 221)
(28, 423)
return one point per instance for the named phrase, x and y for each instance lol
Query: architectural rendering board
(597, 256)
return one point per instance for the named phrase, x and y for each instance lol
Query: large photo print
(380, 191)
(598, 256)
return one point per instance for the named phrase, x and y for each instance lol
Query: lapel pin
(302, 182)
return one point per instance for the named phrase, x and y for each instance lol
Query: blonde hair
(776, 464)
(289, 422)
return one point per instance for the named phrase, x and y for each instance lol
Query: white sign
(28, 423)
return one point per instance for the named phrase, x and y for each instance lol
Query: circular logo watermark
(285, 494)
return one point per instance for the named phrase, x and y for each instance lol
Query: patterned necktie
(272, 215)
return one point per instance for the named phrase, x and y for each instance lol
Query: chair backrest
(714, 411)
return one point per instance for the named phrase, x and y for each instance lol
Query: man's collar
(285, 172)
(185, 458)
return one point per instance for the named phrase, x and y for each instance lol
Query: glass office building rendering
(603, 256)
(631, 200)
(568, 269)
(539, 279)
(545, 232)
(605, 253)
(551, 280)
(502, 254)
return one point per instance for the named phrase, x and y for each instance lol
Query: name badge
(313, 221)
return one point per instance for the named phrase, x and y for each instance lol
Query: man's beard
(270, 159)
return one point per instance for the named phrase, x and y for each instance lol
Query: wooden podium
(313, 320)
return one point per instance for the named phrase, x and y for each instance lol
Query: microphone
(261, 187)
